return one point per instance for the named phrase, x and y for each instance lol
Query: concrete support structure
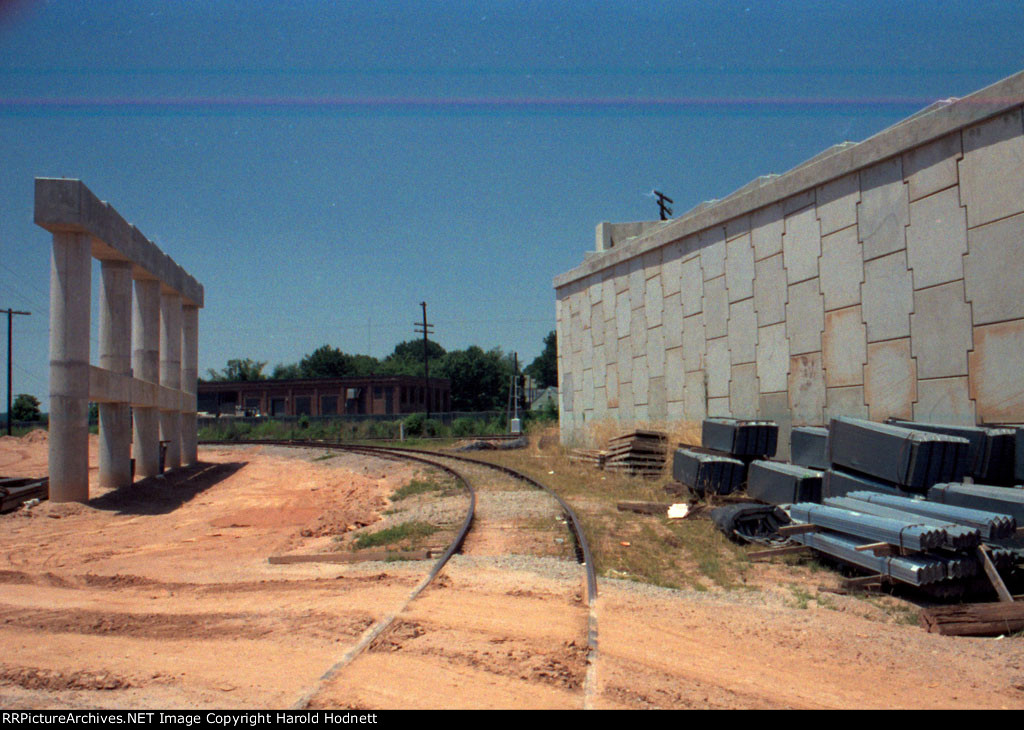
(170, 375)
(189, 382)
(140, 368)
(115, 356)
(883, 278)
(70, 284)
(146, 367)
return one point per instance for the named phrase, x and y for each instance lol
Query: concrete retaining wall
(879, 279)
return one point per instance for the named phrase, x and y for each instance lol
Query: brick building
(373, 395)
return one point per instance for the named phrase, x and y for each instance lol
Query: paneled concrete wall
(879, 279)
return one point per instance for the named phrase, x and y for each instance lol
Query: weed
(416, 486)
(826, 602)
(397, 533)
(801, 595)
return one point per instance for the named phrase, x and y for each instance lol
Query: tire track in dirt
(198, 626)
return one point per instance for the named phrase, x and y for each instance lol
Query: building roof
(349, 380)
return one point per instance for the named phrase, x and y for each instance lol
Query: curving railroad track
(436, 460)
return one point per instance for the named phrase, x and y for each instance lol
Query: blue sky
(323, 167)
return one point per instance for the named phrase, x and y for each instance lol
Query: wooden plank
(874, 547)
(797, 529)
(974, 619)
(787, 550)
(360, 557)
(646, 508)
(865, 580)
(993, 575)
(855, 585)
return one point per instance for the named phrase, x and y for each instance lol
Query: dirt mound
(49, 679)
(37, 436)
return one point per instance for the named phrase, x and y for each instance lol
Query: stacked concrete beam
(140, 372)
(878, 279)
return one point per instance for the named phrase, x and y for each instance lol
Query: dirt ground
(162, 596)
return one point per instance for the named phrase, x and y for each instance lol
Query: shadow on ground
(165, 493)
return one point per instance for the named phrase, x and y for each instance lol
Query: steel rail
(583, 553)
(382, 625)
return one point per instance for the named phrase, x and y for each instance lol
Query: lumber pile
(639, 453)
(593, 457)
(16, 491)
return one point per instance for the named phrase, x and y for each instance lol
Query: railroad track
(431, 458)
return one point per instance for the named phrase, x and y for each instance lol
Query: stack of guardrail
(728, 445)
(777, 483)
(740, 438)
(991, 452)
(911, 459)
(1004, 500)
(16, 491)
(708, 473)
(808, 446)
(892, 457)
(910, 540)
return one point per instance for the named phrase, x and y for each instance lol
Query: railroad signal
(663, 209)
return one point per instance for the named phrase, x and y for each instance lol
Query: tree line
(480, 379)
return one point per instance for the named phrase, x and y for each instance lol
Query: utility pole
(10, 317)
(425, 328)
(663, 209)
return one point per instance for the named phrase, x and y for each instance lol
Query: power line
(10, 319)
(663, 209)
(425, 328)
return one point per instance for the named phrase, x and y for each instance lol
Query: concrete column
(146, 366)
(70, 285)
(189, 381)
(170, 373)
(115, 355)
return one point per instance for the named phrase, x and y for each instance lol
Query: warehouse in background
(384, 395)
(879, 279)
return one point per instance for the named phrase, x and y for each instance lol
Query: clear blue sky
(322, 167)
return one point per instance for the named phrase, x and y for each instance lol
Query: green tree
(239, 370)
(413, 350)
(407, 358)
(25, 408)
(479, 380)
(286, 372)
(544, 368)
(330, 362)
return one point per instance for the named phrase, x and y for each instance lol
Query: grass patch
(397, 533)
(801, 595)
(674, 554)
(416, 486)
(826, 602)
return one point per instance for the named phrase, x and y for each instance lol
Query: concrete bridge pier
(170, 374)
(189, 381)
(146, 367)
(70, 296)
(116, 356)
